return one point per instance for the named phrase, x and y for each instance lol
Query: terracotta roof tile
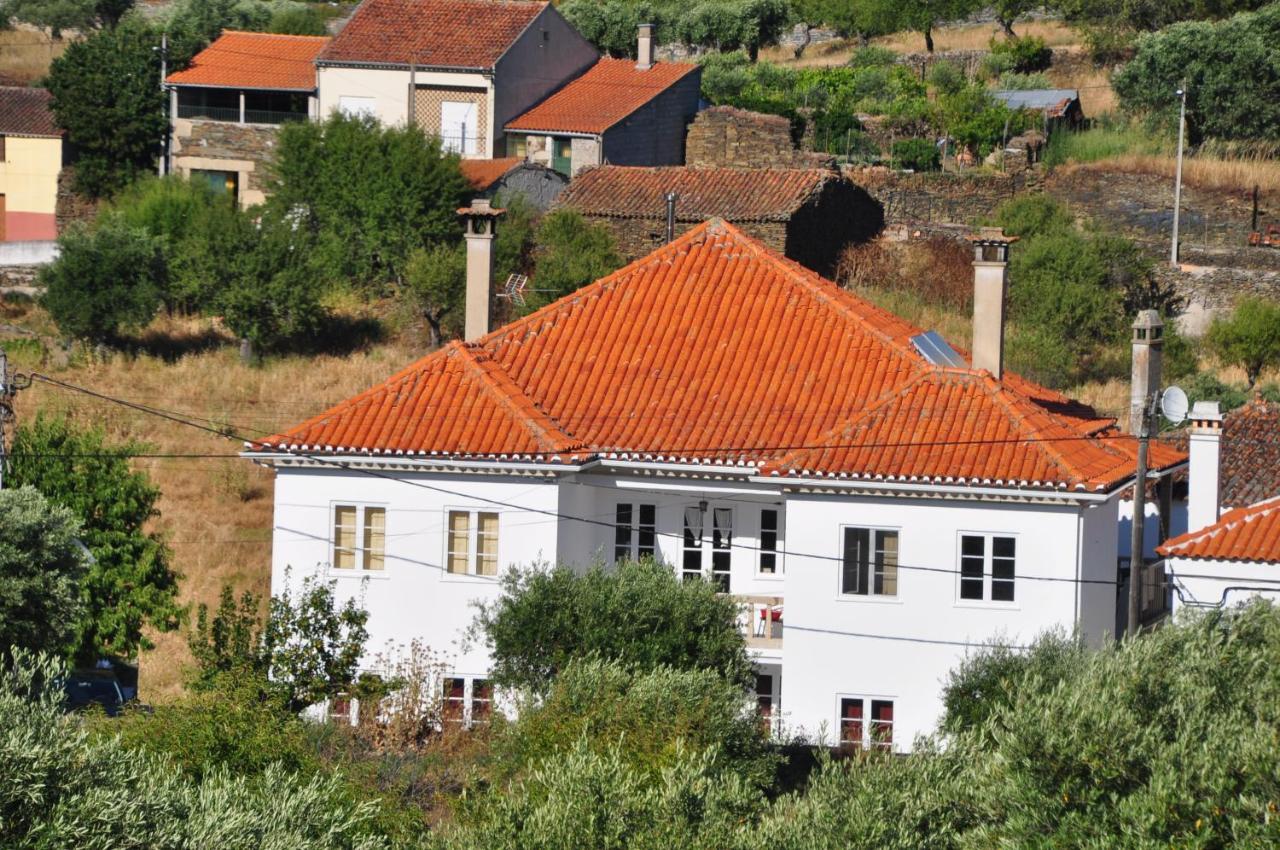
(25, 112)
(480, 174)
(736, 194)
(1244, 534)
(715, 348)
(431, 33)
(1250, 470)
(255, 60)
(608, 92)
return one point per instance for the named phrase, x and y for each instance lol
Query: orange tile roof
(608, 92)
(736, 194)
(25, 112)
(480, 174)
(431, 33)
(255, 60)
(1244, 534)
(714, 348)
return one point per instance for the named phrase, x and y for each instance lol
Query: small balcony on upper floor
(761, 621)
(240, 106)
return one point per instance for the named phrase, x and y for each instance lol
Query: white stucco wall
(1208, 583)
(827, 654)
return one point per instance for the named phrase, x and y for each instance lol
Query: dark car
(88, 688)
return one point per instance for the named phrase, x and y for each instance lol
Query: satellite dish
(1174, 405)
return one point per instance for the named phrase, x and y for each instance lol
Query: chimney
(1204, 497)
(1148, 348)
(671, 199)
(990, 285)
(480, 221)
(644, 48)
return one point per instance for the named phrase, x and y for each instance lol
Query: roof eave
(402, 66)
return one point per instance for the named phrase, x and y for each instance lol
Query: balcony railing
(231, 114)
(460, 143)
(763, 621)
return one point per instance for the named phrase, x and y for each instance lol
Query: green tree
(571, 252)
(652, 716)
(611, 24)
(1008, 11)
(864, 19)
(41, 567)
(369, 195)
(1249, 337)
(1209, 60)
(734, 24)
(923, 16)
(129, 585)
(297, 20)
(639, 614)
(54, 16)
(435, 284)
(304, 651)
(202, 21)
(106, 279)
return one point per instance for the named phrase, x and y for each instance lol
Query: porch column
(241, 107)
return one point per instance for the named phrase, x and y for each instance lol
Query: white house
(882, 503)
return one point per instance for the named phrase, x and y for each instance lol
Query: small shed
(1060, 107)
(511, 175)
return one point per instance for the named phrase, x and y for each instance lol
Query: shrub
(1206, 386)
(640, 614)
(1249, 337)
(651, 717)
(106, 280)
(947, 77)
(41, 568)
(1014, 81)
(916, 155)
(571, 252)
(873, 56)
(435, 286)
(1026, 54)
(297, 20)
(1033, 214)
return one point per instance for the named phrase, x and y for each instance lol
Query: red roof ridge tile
(495, 380)
(276, 35)
(1212, 542)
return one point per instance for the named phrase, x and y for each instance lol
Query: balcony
(231, 114)
(762, 621)
(236, 107)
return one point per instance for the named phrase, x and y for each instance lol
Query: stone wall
(636, 237)
(941, 198)
(723, 136)
(72, 206)
(216, 145)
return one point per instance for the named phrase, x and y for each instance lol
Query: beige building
(30, 160)
(460, 69)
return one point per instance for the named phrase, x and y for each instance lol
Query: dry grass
(978, 36)
(1203, 172)
(26, 53)
(1072, 69)
(216, 512)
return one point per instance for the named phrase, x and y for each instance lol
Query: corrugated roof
(255, 60)
(25, 112)
(431, 33)
(1244, 534)
(736, 194)
(714, 348)
(480, 174)
(1055, 101)
(608, 92)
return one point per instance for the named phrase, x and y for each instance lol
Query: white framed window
(869, 565)
(466, 702)
(987, 567)
(866, 723)
(635, 532)
(481, 701)
(453, 709)
(357, 106)
(471, 543)
(359, 537)
(703, 554)
(770, 562)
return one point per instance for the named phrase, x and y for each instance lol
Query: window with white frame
(466, 702)
(635, 532)
(481, 701)
(694, 560)
(987, 567)
(472, 543)
(870, 562)
(359, 537)
(454, 706)
(770, 539)
(866, 723)
(691, 544)
(721, 547)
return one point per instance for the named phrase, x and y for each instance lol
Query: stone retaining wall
(723, 136)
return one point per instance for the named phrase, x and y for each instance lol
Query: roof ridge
(260, 34)
(495, 380)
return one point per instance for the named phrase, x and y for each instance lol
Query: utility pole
(1143, 431)
(164, 72)
(1177, 180)
(6, 409)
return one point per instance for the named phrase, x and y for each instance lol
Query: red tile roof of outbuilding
(25, 112)
(737, 194)
(255, 60)
(1243, 534)
(607, 93)
(714, 348)
(1250, 469)
(480, 174)
(432, 33)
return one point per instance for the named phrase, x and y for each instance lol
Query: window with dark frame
(870, 563)
(987, 567)
(769, 541)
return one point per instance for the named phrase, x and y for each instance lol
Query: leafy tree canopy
(129, 584)
(41, 568)
(1249, 337)
(571, 252)
(55, 16)
(639, 614)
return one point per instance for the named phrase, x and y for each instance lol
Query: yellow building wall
(29, 174)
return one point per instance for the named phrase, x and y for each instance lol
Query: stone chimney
(644, 48)
(990, 286)
(1204, 495)
(1148, 348)
(481, 225)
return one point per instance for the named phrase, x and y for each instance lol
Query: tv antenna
(1174, 405)
(516, 287)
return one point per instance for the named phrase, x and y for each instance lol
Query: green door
(561, 155)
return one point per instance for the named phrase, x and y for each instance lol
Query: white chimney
(644, 48)
(1148, 348)
(1204, 497)
(481, 225)
(990, 286)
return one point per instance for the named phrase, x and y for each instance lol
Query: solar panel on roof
(936, 350)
